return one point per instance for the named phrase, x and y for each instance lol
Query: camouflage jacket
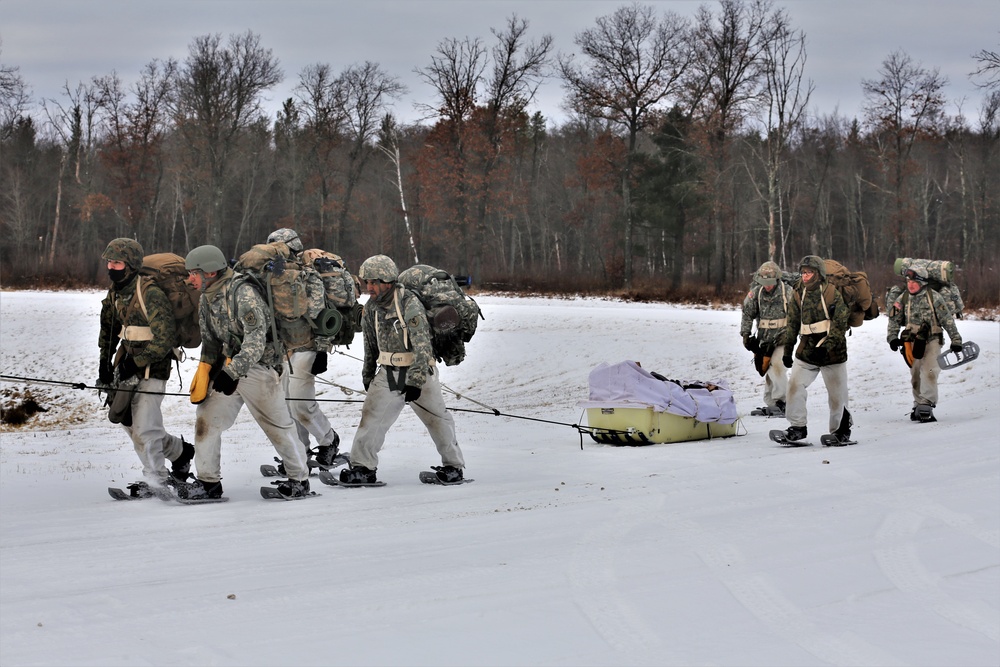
(810, 306)
(769, 308)
(120, 308)
(236, 324)
(383, 332)
(925, 315)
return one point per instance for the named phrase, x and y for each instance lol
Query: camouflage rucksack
(283, 283)
(452, 315)
(940, 278)
(342, 290)
(167, 271)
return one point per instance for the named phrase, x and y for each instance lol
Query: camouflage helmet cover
(768, 274)
(125, 250)
(379, 267)
(815, 264)
(287, 236)
(916, 273)
(207, 258)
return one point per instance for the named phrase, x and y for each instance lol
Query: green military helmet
(768, 274)
(125, 250)
(379, 267)
(815, 263)
(206, 258)
(287, 236)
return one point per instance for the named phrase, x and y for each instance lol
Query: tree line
(689, 158)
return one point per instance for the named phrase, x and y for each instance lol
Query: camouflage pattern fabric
(808, 308)
(922, 315)
(379, 267)
(120, 308)
(389, 336)
(287, 236)
(235, 323)
(125, 250)
(760, 304)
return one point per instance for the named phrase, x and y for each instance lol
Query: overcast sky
(55, 42)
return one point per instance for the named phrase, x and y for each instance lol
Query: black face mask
(118, 276)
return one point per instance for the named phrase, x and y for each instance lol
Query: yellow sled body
(645, 426)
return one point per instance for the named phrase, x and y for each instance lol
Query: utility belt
(773, 324)
(399, 359)
(820, 327)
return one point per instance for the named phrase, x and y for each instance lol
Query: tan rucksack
(168, 272)
(855, 289)
(282, 282)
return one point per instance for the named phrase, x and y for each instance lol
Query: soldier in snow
(923, 315)
(136, 342)
(243, 367)
(767, 303)
(399, 368)
(818, 314)
(306, 363)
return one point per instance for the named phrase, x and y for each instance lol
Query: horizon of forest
(689, 159)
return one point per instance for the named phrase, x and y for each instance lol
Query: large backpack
(341, 289)
(940, 278)
(282, 281)
(168, 272)
(453, 316)
(855, 289)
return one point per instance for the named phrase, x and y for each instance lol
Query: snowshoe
(359, 476)
(444, 475)
(288, 489)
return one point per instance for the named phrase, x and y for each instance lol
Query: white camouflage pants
(263, 392)
(383, 406)
(803, 375)
(151, 441)
(775, 381)
(301, 389)
(924, 375)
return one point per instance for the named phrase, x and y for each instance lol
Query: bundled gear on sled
(628, 405)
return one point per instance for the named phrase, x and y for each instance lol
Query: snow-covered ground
(724, 552)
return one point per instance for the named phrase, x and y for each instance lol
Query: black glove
(750, 343)
(225, 383)
(919, 346)
(127, 368)
(105, 376)
(319, 364)
(367, 382)
(786, 358)
(956, 347)
(894, 344)
(411, 393)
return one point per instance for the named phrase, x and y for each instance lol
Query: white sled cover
(628, 385)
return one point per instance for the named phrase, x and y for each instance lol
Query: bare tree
(784, 97)
(988, 69)
(322, 97)
(217, 97)
(479, 113)
(724, 87)
(633, 64)
(368, 92)
(901, 106)
(14, 97)
(136, 123)
(388, 144)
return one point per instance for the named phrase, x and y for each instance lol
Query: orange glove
(199, 384)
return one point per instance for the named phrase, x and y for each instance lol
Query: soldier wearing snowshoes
(923, 315)
(399, 369)
(136, 343)
(767, 304)
(306, 363)
(243, 367)
(818, 320)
